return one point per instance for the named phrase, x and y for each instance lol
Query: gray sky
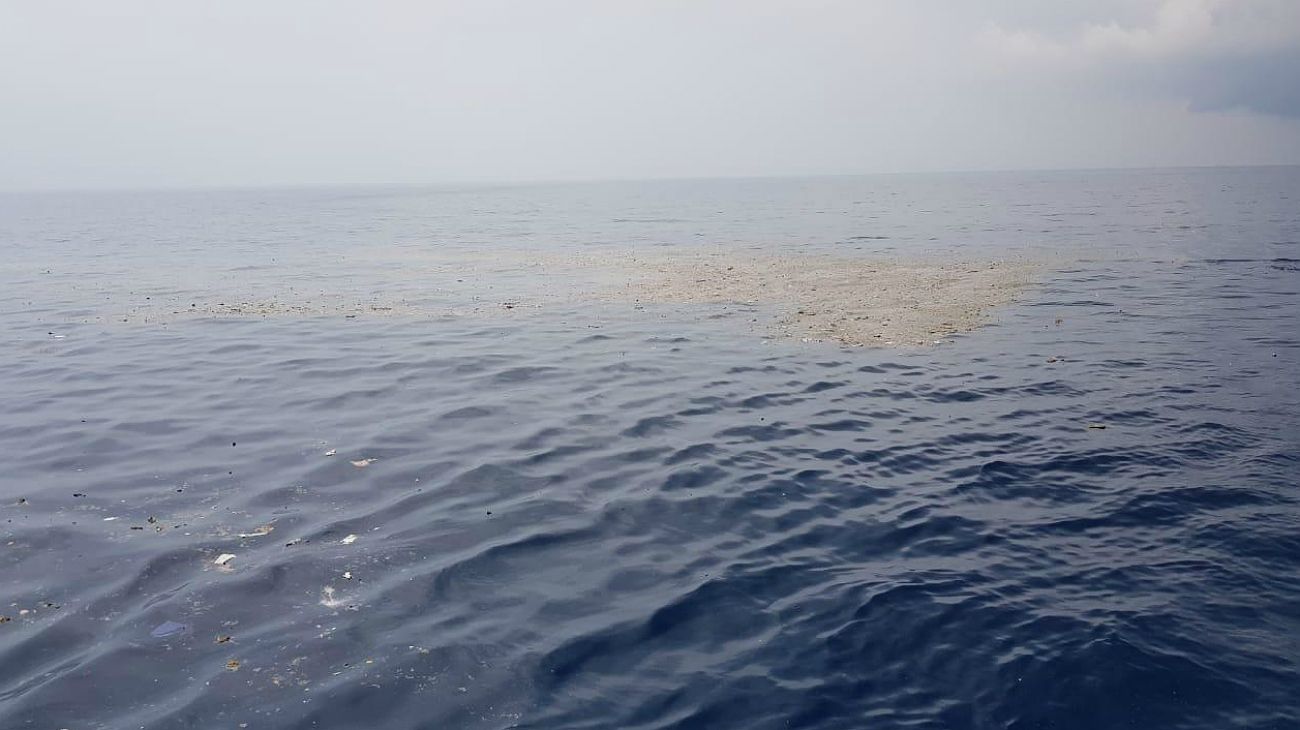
(152, 93)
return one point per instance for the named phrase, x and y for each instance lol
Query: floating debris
(345, 541)
(331, 452)
(223, 558)
(225, 639)
(232, 665)
(1097, 426)
(347, 575)
(5, 619)
(168, 629)
(110, 519)
(363, 463)
(328, 599)
(262, 531)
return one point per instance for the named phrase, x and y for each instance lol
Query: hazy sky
(130, 93)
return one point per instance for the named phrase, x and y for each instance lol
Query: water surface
(597, 516)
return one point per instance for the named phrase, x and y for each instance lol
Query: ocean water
(604, 516)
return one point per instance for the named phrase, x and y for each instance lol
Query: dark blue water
(597, 516)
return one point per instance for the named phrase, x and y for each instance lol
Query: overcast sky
(132, 93)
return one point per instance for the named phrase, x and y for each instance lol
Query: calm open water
(595, 516)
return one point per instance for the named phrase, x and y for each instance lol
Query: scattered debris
(363, 463)
(223, 558)
(345, 541)
(5, 619)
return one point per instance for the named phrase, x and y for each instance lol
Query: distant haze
(160, 93)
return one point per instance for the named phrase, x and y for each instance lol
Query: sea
(386, 493)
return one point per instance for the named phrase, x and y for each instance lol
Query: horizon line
(542, 182)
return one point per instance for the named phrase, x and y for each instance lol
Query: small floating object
(232, 665)
(347, 575)
(363, 463)
(259, 532)
(1098, 426)
(328, 598)
(168, 629)
(225, 639)
(331, 452)
(223, 558)
(345, 541)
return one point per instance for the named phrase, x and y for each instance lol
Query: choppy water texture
(597, 516)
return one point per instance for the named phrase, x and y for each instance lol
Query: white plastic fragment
(328, 599)
(224, 558)
(346, 541)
